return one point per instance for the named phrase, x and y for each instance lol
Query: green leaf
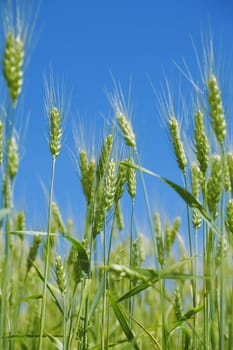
(33, 233)
(83, 257)
(32, 297)
(138, 289)
(184, 194)
(150, 276)
(55, 341)
(49, 287)
(122, 320)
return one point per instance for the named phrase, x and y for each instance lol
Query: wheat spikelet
(12, 65)
(178, 146)
(229, 161)
(214, 186)
(20, 223)
(227, 177)
(60, 275)
(195, 175)
(57, 219)
(104, 156)
(131, 179)
(229, 220)
(12, 158)
(119, 218)
(177, 304)
(6, 192)
(159, 239)
(110, 185)
(33, 251)
(120, 184)
(55, 131)
(216, 109)
(126, 129)
(201, 142)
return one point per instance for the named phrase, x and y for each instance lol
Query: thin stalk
(164, 328)
(222, 279)
(205, 274)
(193, 281)
(103, 335)
(148, 211)
(195, 285)
(64, 323)
(6, 266)
(131, 301)
(70, 317)
(5, 301)
(46, 268)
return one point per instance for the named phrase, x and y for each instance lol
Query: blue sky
(86, 42)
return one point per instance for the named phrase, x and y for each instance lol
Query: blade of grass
(123, 321)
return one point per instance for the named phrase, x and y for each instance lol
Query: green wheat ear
(178, 146)
(126, 129)
(216, 109)
(12, 158)
(55, 131)
(201, 142)
(214, 185)
(60, 275)
(12, 65)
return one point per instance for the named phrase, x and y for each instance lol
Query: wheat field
(114, 287)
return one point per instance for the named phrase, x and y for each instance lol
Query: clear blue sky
(84, 41)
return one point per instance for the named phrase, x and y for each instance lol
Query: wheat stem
(46, 268)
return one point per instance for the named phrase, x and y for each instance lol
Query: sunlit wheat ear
(202, 146)
(126, 129)
(12, 158)
(131, 180)
(60, 275)
(55, 131)
(120, 183)
(33, 251)
(216, 109)
(110, 185)
(214, 185)
(229, 221)
(87, 171)
(13, 65)
(227, 177)
(178, 146)
(19, 221)
(119, 217)
(122, 113)
(177, 304)
(99, 215)
(195, 177)
(142, 247)
(159, 239)
(6, 192)
(171, 232)
(1, 142)
(104, 157)
(58, 219)
(229, 160)
(57, 108)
